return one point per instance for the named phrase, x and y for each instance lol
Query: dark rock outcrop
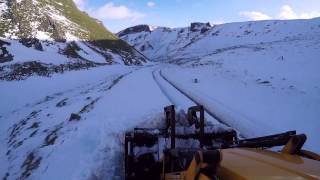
(5, 56)
(74, 117)
(134, 29)
(24, 70)
(198, 26)
(71, 50)
(32, 42)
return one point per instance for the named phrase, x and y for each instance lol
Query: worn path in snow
(176, 98)
(142, 96)
(218, 110)
(180, 99)
(252, 106)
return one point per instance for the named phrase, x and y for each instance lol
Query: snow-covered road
(79, 118)
(253, 107)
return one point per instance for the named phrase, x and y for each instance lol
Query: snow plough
(191, 149)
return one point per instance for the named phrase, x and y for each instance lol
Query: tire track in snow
(161, 88)
(245, 126)
(176, 98)
(181, 100)
(209, 112)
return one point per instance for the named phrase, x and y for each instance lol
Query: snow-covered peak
(136, 29)
(201, 39)
(152, 28)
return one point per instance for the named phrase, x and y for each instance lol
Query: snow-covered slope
(47, 36)
(262, 77)
(73, 130)
(202, 39)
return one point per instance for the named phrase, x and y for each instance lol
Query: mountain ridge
(56, 28)
(171, 44)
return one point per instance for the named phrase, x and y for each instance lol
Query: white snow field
(43, 143)
(71, 125)
(273, 89)
(181, 45)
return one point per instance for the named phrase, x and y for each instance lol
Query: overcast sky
(120, 14)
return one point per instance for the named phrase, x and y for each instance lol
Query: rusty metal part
(266, 141)
(295, 144)
(309, 154)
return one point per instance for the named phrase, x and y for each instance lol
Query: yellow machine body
(264, 164)
(249, 163)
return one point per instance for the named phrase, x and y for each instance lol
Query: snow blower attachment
(192, 149)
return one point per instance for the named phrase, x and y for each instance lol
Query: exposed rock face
(5, 56)
(32, 42)
(71, 50)
(24, 70)
(57, 26)
(135, 29)
(198, 26)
